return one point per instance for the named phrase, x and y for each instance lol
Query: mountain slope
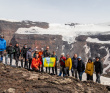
(18, 80)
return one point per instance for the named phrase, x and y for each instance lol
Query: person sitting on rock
(36, 63)
(89, 69)
(68, 64)
(80, 67)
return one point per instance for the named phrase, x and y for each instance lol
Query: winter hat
(79, 57)
(97, 57)
(62, 54)
(1, 36)
(29, 48)
(90, 59)
(42, 48)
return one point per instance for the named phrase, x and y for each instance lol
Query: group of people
(35, 61)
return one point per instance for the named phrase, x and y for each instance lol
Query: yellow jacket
(68, 63)
(89, 68)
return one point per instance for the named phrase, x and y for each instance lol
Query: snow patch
(72, 47)
(102, 47)
(96, 40)
(107, 60)
(87, 49)
(63, 47)
(68, 33)
(9, 20)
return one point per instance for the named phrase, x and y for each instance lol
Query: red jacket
(62, 61)
(36, 63)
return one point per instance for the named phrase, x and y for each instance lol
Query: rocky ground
(18, 80)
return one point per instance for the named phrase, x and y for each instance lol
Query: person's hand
(40, 65)
(37, 68)
(27, 60)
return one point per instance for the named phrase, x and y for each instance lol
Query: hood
(1, 39)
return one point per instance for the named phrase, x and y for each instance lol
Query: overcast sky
(56, 11)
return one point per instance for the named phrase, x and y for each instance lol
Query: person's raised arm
(34, 49)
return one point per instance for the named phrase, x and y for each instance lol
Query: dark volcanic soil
(17, 80)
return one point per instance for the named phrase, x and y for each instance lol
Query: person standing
(74, 65)
(80, 68)
(36, 52)
(56, 59)
(29, 57)
(89, 69)
(98, 69)
(46, 53)
(68, 64)
(10, 51)
(62, 64)
(2, 47)
(17, 53)
(40, 57)
(23, 55)
(36, 63)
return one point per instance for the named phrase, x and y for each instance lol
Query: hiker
(23, 55)
(56, 59)
(80, 68)
(98, 69)
(36, 63)
(40, 57)
(10, 51)
(16, 53)
(2, 47)
(62, 64)
(29, 57)
(89, 69)
(36, 52)
(68, 64)
(74, 65)
(46, 53)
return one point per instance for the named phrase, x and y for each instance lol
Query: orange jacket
(40, 55)
(36, 63)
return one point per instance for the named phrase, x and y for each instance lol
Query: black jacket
(98, 67)
(24, 51)
(46, 53)
(74, 63)
(81, 66)
(10, 49)
(17, 51)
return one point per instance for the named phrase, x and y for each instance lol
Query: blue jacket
(2, 44)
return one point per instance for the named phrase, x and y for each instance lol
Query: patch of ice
(96, 40)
